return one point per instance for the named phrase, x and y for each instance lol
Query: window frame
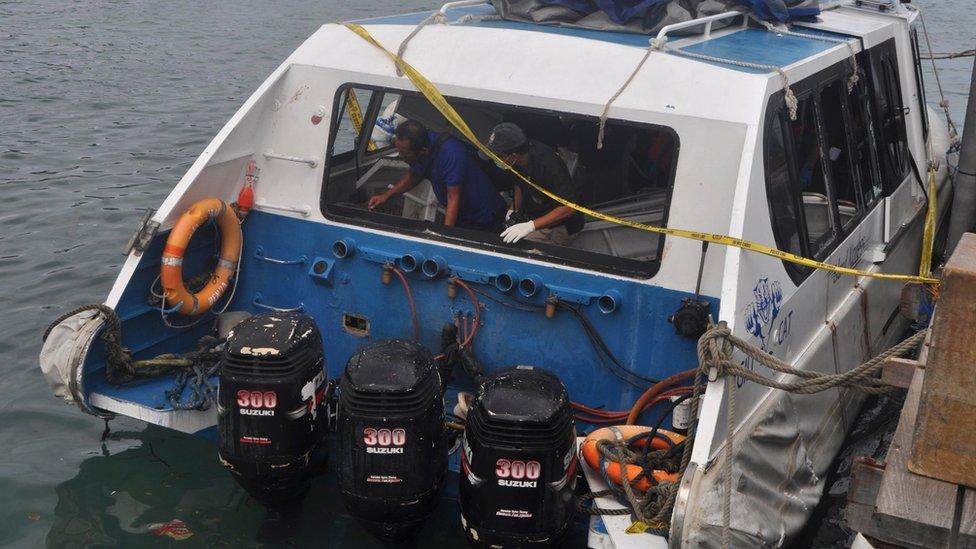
(892, 176)
(811, 88)
(776, 114)
(920, 83)
(478, 240)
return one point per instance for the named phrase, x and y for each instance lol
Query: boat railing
(662, 35)
(879, 5)
(707, 21)
(460, 4)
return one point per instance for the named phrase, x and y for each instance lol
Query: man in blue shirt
(470, 200)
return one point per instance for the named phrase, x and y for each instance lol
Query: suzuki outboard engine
(271, 417)
(518, 467)
(391, 447)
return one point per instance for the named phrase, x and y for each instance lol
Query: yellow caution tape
(440, 103)
(928, 236)
(356, 115)
(639, 527)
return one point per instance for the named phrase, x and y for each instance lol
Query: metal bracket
(879, 5)
(471, 275)
(377, 256)
(572, 295)
(143, 235)
(310, 162)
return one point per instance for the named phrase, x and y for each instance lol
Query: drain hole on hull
(357, 325)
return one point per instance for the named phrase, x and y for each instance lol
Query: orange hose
(413, 306)
(605, 416)
(477, 311)
(656, 390)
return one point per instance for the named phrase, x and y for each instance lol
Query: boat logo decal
(765, 308)
(763, 319)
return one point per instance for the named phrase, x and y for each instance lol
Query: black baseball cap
(504, 138)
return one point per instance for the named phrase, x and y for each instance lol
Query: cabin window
(843, 176)
(890, 115)
(863, 145)
(822, 172)
(783, 204)
(631, 177)
(818, 209)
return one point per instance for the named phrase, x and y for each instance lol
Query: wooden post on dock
(944, 442)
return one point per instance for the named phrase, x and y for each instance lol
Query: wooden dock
(888, 503)
(923, 494)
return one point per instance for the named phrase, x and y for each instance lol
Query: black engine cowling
(391, 449)
(272, 418)
(519, 461)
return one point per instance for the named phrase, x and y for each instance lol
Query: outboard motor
(391, 446)
(519, 461)
(271, 416)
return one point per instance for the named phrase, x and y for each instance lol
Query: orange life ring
(625, 432)
(171, 268)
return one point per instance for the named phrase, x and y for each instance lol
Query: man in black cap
(469, 199)
(545, 219)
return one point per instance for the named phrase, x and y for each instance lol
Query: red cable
(477, 311)
(413, 306)
(657, 389)
(605, 416)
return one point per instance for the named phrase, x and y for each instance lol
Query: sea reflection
(165, 485)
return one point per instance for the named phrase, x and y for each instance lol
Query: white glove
(509, 214)
(517, 232)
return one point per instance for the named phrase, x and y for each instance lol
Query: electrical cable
(527, 307)
(660, 420)
(593, 335)
(599, 342)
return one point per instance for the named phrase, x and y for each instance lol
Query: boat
(811, 137)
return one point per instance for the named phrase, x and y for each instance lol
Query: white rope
(953, 134)
(606, 108)
(791, 101)
(950, 55)
(855, 70)
(436, 17)
(730, 384)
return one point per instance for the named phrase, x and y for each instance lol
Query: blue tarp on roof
(645, 16)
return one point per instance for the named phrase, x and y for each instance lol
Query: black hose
(660, 420)
(598, 342)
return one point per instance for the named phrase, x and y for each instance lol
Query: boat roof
(744, 45)
(501, 59)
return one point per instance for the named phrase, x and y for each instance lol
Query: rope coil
(715, 356)
(192, 369)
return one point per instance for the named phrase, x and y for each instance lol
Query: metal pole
(963, 215)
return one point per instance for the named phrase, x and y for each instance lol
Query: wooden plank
(866, 476)
(899, 371)
(912, 509)
(944, 445)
